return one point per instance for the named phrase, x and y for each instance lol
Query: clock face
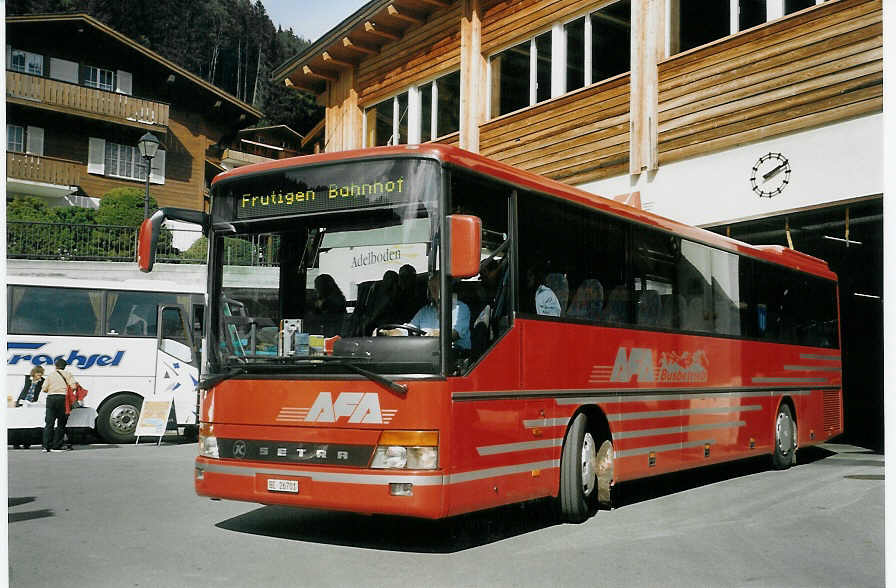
(770, 175)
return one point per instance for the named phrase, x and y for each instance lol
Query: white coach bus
(124, 340)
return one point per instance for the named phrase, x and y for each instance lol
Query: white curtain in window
(96, 156)
(64, 70)
(35, 138)
(157, 174)
(123, 82)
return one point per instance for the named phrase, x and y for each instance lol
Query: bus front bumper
(415, 494)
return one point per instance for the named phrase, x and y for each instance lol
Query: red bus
(591, 343)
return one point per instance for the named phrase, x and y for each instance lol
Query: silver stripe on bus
(246, 470)
(811, 368)
(522, 446)
(673, 430)
(821, 357)
(663, 448)
(502, 471)
(780, 380)
(658, 397)
(658, 414)
(375, 479)
(535, 423)
(653, 414)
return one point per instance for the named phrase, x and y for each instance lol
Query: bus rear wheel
(785, 439)
(578, 472)
(117, 419)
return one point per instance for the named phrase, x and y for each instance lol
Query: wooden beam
(337, 62)
(330, 77)
(380, 31)
(405, 15)
(438, 3)
(359, 47)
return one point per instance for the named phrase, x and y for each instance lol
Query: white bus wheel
(785, 439)
(117, 419)
(578, 473)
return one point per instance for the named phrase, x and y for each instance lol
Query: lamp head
(148, 145)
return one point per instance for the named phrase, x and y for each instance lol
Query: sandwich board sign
(153, 419)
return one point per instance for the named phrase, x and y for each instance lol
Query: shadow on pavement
(20, 500)
(629, 493)
(391, 533)
(15, 517)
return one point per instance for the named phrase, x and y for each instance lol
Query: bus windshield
(333, 290)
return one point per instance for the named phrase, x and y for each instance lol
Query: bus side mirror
(465, 232)
(148, 239)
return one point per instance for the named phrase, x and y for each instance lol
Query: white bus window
(55, 311)
(135, 314)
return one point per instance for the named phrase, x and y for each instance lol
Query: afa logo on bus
(20, 352)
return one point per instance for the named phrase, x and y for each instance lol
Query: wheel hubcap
(784, 433)
(589, 458)
(123, 419)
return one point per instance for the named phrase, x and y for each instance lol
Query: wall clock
(770, 175)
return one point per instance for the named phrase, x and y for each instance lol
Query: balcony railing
(82, 100)
(83, 242)
(86, 242)
(37, 168)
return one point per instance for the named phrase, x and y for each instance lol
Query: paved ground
(106, 515)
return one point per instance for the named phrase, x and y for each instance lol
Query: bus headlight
(208, 443)
(410, 450)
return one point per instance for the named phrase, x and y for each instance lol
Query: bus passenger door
(177, 372)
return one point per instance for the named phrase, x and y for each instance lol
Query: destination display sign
(341, 186)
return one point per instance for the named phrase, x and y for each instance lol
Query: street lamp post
(148, 146)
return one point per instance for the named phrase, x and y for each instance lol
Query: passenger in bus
(427, 317)
(55, 387)
(330, 299)
(408, 297)
(546, 302)
(33, 383)
(381, 302)
(489, 307)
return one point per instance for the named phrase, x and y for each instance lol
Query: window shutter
(8, 56)
(64, 70)
(35, 138)
(157, 174)
(123, 80)
(96, 156)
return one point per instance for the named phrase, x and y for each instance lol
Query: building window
(695, 22)
(94, 77)
(26, 62)
(591, 48)
(15, 138)
(420, 114)
(124, 161)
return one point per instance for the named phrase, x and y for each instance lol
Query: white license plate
(283, 486)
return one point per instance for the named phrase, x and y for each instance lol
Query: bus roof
(478, 163)
(185, 287)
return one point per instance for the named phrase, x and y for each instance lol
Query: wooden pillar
(472, 76)
(647, 48)
(343, 116)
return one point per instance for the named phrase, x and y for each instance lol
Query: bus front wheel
(117, 419)
(785, 439)
(578, 472)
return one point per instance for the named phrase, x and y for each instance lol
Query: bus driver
(427, 317)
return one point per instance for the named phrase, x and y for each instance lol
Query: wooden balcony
(59, 96)
(47, 170)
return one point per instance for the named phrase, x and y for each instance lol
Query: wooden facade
(815, 66)
(188, 115)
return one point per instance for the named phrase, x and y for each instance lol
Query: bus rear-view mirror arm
(148, 237)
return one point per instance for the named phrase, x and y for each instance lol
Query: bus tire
(117, 419)
(578, 472)
(784, 455)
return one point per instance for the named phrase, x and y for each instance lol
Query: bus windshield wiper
(340, 360)
(396, 388)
